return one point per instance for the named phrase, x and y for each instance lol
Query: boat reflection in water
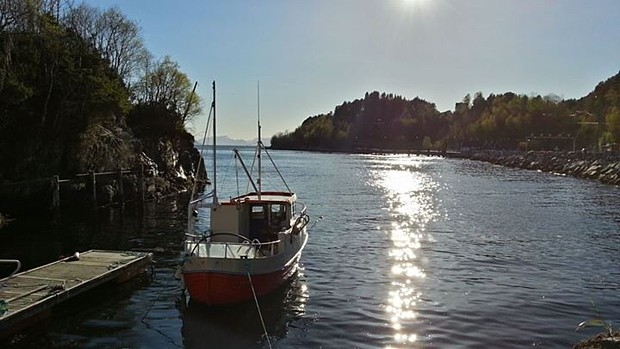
(239, 325)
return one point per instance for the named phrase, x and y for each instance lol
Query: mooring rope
(148, 325)
(260, 314)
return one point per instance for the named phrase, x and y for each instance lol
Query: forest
(79, 92)
(505, 121)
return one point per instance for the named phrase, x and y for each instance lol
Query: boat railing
(299, 208)
(237, 249)
(261, 249)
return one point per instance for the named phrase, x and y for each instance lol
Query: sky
(311, 55)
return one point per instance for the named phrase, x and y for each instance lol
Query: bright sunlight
(415, 3)
(413, 6)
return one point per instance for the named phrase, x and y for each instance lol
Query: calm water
(412, 252)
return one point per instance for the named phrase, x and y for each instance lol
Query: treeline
(80, 92)
(499, 121)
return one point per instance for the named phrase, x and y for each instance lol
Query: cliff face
(172, 166)
(604, 166)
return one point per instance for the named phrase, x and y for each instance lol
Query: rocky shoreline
(600, 166)
(603, 340)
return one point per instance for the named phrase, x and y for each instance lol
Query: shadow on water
(43, 237)
(239, 326)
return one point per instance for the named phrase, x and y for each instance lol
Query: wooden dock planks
(30, 295)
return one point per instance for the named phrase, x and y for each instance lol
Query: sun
(417, 4)
(414, 8)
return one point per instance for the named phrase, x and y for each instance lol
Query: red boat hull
(214, 288)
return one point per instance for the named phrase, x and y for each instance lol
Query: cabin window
(258, 221)
(278, 211)
(278, 216)
(258, 212)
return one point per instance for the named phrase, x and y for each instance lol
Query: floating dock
(28, 297)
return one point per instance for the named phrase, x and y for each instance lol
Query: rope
(277, 169)
(260, 314)
(315, 222)
(200, 160)
(247, 188)
(225, 172)
(148, 325)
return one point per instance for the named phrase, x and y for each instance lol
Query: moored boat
(253, 244)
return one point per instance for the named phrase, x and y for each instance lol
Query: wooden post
(93, 183)
(121, 191)
(55, 192)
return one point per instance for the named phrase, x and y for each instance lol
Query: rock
(600, 341)
(604, 167)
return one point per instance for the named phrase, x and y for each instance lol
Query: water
(412, 252)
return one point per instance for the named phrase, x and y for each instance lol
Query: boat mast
(214, 149)
(259, 145)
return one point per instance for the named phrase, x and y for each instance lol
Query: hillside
(498, 121)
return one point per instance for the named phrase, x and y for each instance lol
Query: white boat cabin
(253, 218)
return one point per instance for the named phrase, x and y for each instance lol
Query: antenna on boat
(259, 144)
(214, 149)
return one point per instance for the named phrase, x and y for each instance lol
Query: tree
(54, 87)
(116, 37)
(612, 121)
(164, 84)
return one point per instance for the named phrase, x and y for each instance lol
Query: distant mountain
(225, 140)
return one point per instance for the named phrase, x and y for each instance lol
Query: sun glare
(414, 4)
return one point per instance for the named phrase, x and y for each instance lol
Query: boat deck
(30, 295)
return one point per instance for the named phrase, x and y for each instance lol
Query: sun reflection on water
(409, 193)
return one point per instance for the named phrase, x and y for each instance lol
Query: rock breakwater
(603, 166)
